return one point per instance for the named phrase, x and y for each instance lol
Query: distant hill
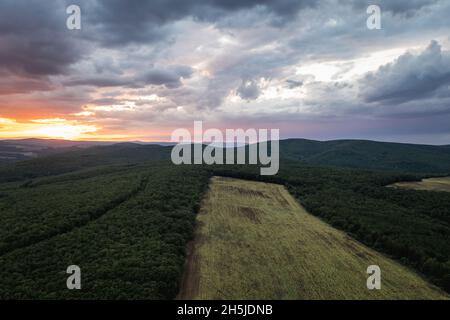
(63, 156)
(369, 155)
(24, 149)
(82, 158)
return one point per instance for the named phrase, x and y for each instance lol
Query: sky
(137, 70)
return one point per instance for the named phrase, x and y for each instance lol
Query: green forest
(124, 214)
(126, 231)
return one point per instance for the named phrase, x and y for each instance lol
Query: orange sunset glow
(239, 65)
(47, 128)
(76, 130)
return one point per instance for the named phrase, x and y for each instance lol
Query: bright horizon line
(226, 142)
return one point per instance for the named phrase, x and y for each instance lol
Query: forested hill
(369, 155)
(338, 153)
(25, 149)
(117, 154)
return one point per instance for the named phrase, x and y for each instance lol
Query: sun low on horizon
(75, 130)
(56, 128)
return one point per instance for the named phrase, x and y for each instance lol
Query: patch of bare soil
(244, 192)
(251, 214)
(282, 200)
(190, 281)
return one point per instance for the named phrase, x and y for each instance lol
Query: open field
(254, 241)
(430, 184)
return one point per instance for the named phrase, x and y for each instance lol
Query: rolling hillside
(25, 149)
(362, 154)
(369, 155)
(64, 162)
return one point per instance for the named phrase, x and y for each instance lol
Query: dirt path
(191, 276)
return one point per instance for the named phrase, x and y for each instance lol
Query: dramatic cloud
(138, 69)
(294, 84)
(248, 90)
(170, 77)
(402, 7)
(144, 21)
(410, 77)
(33, 40)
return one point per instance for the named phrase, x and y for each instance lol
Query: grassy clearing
(431, 184)
(254, 241)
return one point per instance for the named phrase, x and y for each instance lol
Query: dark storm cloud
(34, 40)
(291, 84)
(11, 84)
(409, 77)
(99, 82)
(136, 12)
(279, 7)
(169, 76)
(248, 90)
(35, 44)
(406, 7)
(120, 22)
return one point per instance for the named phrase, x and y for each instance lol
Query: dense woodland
(129, 245)
(124, 215)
